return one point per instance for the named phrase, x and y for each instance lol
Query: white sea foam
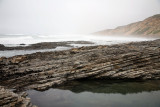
(99, 40)
(13, 40)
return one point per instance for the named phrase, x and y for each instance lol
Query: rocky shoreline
(42, 70)
(43, 45)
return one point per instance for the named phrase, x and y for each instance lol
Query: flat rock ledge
(40, 71)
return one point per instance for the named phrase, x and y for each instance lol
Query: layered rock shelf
(139, 60)
(10, 99)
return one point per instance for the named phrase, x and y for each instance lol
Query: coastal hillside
(149, 26)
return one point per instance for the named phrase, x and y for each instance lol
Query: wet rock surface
(11, 99)
(42, 70)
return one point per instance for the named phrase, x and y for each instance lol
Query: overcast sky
(71, 16)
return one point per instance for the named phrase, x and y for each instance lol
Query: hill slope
(149, 26)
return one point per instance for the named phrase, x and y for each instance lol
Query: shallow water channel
(100, 93)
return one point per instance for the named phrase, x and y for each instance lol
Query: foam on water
(27, 39)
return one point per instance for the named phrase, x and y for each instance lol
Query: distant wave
(100, 40)
(16, 39)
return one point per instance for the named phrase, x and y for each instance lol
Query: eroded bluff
(140, 60)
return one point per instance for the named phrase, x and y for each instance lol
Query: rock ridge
(42, 70)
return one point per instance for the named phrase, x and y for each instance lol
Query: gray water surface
(10, 53)
(99, 94)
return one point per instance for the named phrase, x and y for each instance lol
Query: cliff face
(149, 26)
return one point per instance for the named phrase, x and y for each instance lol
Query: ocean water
(30, 39)
(98, 93)
(15, 40)
(10, 53)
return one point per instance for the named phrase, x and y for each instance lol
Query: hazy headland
(79, 53)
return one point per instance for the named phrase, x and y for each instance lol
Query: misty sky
(71, 16)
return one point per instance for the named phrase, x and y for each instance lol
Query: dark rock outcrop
(22, 44)
(2, 47)
(43, 45)
(40, 71)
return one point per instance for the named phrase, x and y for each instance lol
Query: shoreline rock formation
(42, 70)
(43, 45)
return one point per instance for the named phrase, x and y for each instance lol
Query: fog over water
(51, 17)
(34, 21)
(99, 40)
(27, 22)
(16, 40)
